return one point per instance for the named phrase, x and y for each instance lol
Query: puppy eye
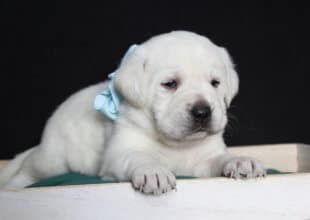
(171, 84)
(215, 83)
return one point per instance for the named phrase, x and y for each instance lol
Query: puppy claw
(154, 181)
(244, 168)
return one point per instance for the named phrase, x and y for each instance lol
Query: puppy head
(183, 80)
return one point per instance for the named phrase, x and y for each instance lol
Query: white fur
(152, 140)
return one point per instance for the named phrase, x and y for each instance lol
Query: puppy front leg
(146, 174)
(230, 166)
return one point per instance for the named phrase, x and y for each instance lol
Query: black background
(53, 49)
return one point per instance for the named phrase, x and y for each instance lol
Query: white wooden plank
(303, 158)
(275, 197)
(277, 156)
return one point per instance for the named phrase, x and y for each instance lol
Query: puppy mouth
(190, 131)
(203, 127)
(199, 129)
(200, 126)
(191, 134)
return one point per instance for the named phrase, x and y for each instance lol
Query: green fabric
(70, 179)
(79, 179)
(273, 171)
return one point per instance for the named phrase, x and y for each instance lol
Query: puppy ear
(232, 80)
(130, 76)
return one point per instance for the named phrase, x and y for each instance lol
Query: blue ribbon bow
(108, 101)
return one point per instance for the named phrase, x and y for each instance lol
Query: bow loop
(108, 101)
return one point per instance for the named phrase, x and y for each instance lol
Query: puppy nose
(201, 112)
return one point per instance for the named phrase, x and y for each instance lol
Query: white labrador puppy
(176, 89)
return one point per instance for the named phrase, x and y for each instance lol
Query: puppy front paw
(151, 180)
(244, 168)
